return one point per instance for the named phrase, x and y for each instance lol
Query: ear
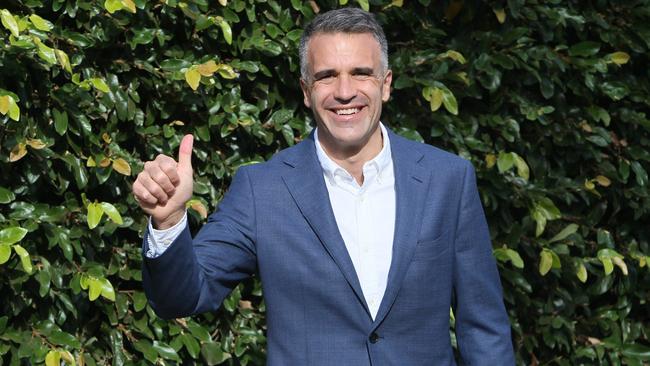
(305, 92)
(385, 87)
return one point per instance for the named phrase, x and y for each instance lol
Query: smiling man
(363, 240)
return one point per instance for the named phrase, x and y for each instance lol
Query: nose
(344, 91)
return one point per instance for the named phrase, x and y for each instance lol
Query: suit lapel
(411, 182)
(305, 182)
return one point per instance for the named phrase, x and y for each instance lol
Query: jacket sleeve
(482, 324)
(195, 275)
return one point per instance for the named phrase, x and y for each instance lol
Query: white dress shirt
(365, 216)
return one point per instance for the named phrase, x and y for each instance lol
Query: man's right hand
(164, 186)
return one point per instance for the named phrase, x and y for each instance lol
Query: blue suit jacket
(277, 220)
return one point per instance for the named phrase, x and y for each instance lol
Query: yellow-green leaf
(53, 358)
(12, 235)
(436, 99)
(122, 166)
(94, 288)
(568, 230)
(223, 2)
(449, 101)
(5, 253)
(364, 4)
(620, 263)
(619, 58)
(545, 262)
(207, 68)
(108, 292)
(100, 84)
(64, 60)
(581, 272)
(226, 30)
(490, 160)
(113, 5)
(454, 55)
(607, 264)
(343, 2)
(193, 78)
(4, 103)
(515, 258)
(95, 213)
(522, 167)
(44, 52)
(112, 212)
(25, 260)
(500, 14)
(67, 357)
(9, 22)
(35, 144)
(40, 23)
(8, 105)
(603, 181)
(226, 71)
(18, 152)
(128, 5)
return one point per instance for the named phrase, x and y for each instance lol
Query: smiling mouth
(347, 111)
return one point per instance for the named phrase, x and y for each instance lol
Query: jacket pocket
(428, 249)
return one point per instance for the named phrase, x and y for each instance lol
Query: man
(362, 239)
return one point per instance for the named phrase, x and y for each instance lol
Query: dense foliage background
(548, 99)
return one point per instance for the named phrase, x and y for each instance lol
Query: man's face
(346, 88)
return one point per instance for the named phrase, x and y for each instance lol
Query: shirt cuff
(159, 240)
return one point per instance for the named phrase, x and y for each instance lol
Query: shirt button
(374, 338)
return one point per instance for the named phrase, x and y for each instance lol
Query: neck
(353, 158)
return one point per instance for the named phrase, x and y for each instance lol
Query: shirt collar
(379, 163)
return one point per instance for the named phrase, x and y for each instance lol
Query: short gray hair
(344, 20)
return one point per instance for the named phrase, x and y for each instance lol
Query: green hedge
(548, 99)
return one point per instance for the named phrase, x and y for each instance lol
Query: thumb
(185, 151)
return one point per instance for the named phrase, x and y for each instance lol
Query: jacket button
(374, 337)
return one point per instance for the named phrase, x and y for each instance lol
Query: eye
(362, 75)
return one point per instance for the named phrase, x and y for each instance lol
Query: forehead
(343, 50)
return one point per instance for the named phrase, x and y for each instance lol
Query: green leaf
(581, 272)
(95, 212)
(107, 289)
(112, 212)
(522, 167)
(546, 262)
(62, 338)
(25, 260)
(449, 101)
(44, 52)
(100, 85)
(5, 253)
(568, 230)
(165, 351)
(364, 4)
(226, 30)
(636, 350)
(515, 258)
(213, 354)
(113, 5)
(199, 331)
(139, 301)
(12, 235)
(584, 49)
(505, 161)
(40, 23)
(60, 121)
(9, 22)
(144, 346)
(640, 174)
(193, 347)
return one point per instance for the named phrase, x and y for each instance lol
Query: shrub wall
(548, 99)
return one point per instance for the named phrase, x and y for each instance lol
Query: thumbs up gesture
(165, 185)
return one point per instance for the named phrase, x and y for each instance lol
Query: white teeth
(347, 111)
